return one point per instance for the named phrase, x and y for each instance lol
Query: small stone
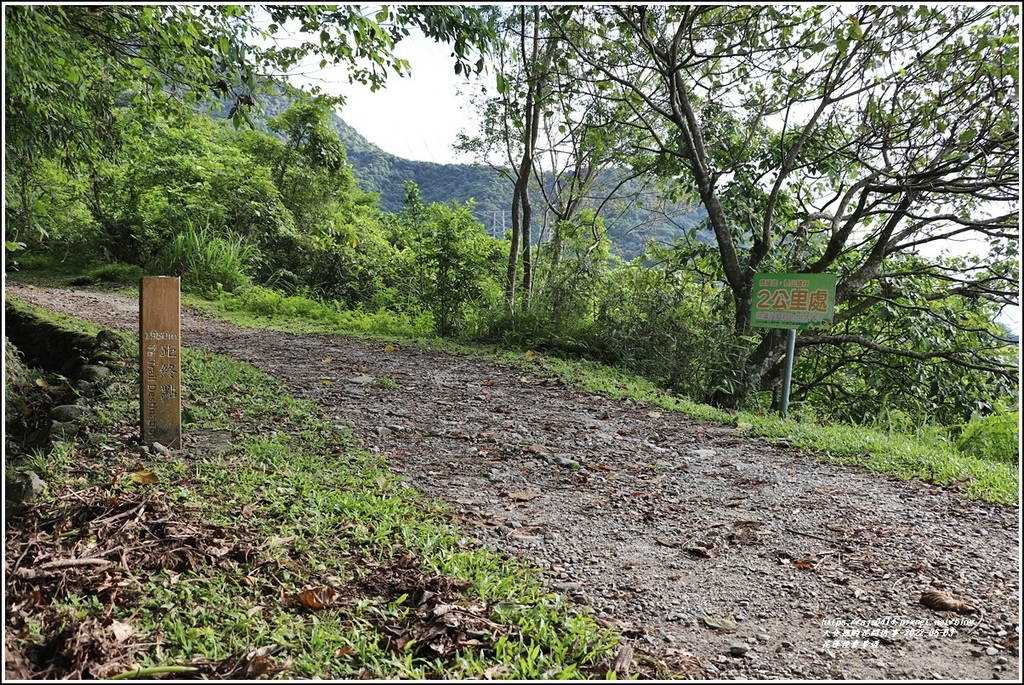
(66, 412)
(63, 430)
(94, 373)
(571, 588)
(85, 388)
(738, 649)
(24, 487)
(1002, 660)
(991, 651)
(107, 340)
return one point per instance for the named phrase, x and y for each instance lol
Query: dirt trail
(660, 523)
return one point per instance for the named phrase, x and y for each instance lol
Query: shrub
(995, 437)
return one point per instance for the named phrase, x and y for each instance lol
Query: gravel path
(722, 555)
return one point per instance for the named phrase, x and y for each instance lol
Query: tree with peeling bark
(832, 139)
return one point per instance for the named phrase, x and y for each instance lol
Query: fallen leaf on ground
(326, 360)
(496, 671)
(523, 495)
(725, 624)
(316, 598)
(938, 600)
(389, 348)
(144, 477)
(121, 631)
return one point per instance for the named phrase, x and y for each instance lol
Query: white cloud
(415, 117)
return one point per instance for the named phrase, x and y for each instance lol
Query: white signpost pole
(788, 379)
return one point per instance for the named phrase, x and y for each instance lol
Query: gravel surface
(722, 555)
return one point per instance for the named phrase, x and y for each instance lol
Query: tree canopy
(829, 139)
(66, 64)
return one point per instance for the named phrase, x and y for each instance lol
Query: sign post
(160, 360)
(792, 301)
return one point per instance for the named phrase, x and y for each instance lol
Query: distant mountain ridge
(385, 174)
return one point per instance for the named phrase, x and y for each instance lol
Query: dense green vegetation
(856, 180)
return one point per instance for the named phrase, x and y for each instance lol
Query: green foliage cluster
(208, 263)
(995, 437)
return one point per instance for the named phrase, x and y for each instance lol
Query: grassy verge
(279, 548)
(928, 454)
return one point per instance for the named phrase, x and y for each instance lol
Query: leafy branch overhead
(64, 65)
(820, 140)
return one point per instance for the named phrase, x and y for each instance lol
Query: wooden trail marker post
(160, 360)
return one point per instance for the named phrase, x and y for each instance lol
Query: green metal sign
(793, 300)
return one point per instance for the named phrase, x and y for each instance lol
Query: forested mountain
(820, 141)
(630, 226)
(385, 174)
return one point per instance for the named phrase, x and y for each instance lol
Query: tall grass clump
(995, 437)
(208, 262)
(266, 302)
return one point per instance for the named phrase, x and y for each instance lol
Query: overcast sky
(415, 117)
